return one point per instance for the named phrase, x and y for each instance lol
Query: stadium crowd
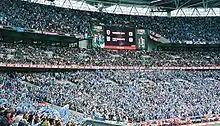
(40, 17)
(49, 55)
(22, 105)
(120, 95)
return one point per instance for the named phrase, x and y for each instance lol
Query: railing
(35, 66)
(69, 66)
(19, 29)
(193, 121)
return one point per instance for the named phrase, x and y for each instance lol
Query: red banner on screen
(133, 47)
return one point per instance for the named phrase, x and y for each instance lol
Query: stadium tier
(48, 55)
(50, 18)
(121, 95)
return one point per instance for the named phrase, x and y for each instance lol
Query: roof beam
(204, 3)
(176, 3)
(185, 3)
(71, 4)
(128, 2)
(115, 8)
(136, 10)
(82, 3)
(63, 3)
(131, 9)
(120, 9)
(211, 9)
(215, 4)
(200, 3)
(162, 2)
(196, 11)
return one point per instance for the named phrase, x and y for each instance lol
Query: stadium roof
(169, 4)
(185, 3)
(142, 7)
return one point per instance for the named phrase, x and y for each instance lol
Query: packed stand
(43, 18)
(127, 94)
(21, 104)
(49, 55)
(54, 19)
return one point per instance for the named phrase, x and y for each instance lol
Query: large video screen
(98, 40)
(119, 38)
(141, 38)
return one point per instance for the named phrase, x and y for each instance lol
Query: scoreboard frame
(103, 38)
(119, 38)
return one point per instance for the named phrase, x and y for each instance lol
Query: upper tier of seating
(50, 18)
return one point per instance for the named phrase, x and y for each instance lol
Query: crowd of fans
(11, 117)
(50, 18)
(120, 95)
(43, 18)
(22, 105)
(49, 55)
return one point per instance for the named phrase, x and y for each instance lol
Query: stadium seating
(146, 96)
(45, 55)
(49, 18)
(120, 95)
